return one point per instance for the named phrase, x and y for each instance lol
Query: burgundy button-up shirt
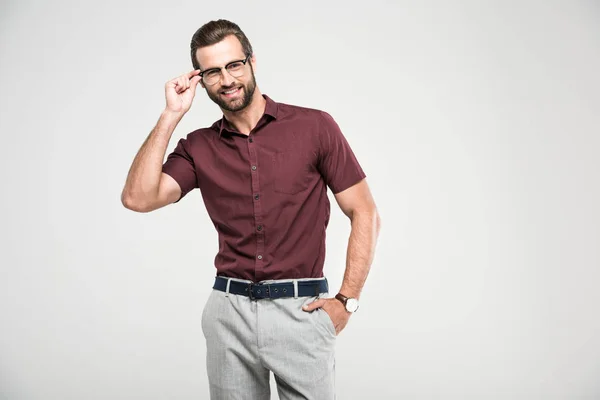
(266, 192)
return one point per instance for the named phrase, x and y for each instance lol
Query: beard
(239, 103)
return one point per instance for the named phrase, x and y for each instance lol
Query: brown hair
(213, 32)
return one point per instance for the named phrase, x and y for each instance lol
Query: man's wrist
(172, 115)
(350, 303)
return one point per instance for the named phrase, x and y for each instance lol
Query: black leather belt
(272, 290)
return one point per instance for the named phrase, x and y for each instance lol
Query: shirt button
(259, 257)
(251, 140)
(259, 228)
(254, 168)
(256, 197)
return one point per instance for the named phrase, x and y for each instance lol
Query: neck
(245, 120)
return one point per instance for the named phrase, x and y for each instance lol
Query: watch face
(352, 305)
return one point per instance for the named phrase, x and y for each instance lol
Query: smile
(232, 92)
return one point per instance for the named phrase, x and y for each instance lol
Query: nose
(226, 79)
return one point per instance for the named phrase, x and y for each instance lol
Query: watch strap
(342, 298)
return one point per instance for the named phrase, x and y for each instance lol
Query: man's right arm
(147, 188)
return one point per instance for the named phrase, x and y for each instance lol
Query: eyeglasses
(213, 75)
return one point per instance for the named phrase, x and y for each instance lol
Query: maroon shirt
(266, 193)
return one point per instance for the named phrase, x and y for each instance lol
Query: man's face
(219, 55)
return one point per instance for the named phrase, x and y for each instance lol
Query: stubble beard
(239, 104)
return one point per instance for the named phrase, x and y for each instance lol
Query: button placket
(258, 217)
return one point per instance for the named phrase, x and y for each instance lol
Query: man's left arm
(358, 205)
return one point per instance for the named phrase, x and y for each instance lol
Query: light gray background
(476, 122)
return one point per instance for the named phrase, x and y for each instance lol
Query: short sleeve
(337, 163)
(180, 166)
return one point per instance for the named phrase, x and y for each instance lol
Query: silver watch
(350, 303)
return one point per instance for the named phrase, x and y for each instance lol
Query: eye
(235, 65)
(211, 73)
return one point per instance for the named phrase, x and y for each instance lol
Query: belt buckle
(250, 285)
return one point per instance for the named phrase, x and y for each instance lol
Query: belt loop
(295, 288)
(227, 288)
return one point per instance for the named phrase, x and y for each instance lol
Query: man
(263, 172)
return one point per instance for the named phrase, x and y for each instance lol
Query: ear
(253, 62)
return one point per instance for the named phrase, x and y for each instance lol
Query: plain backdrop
(477, 124)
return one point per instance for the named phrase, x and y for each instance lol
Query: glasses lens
(236, 69)
(211, 77)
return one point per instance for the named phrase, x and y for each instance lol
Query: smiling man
(263, 171)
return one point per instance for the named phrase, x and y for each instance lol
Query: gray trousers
(246, 339)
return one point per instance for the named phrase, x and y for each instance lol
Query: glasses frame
(244, 61)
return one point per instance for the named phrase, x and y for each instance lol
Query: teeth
(231, 91)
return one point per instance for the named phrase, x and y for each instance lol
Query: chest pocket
(292, 171)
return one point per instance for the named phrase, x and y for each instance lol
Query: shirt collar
(271, 109)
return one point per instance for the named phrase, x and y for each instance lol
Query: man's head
(224, 55)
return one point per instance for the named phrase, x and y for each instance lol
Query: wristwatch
(350, 303)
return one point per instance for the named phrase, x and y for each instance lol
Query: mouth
(231, 92)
